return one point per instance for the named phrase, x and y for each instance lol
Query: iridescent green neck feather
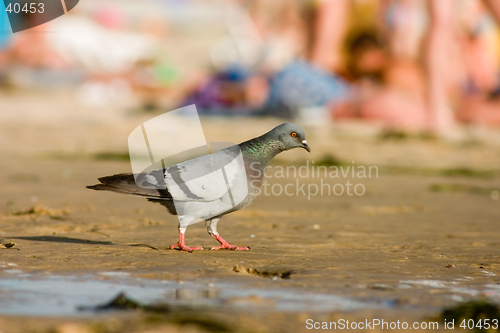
(261, 149)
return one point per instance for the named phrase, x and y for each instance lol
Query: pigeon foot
(183, 247)
(226, 245)
(231, 247)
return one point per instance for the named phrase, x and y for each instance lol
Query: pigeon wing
(206, 178)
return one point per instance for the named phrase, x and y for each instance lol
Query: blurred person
(407, 22)
(260, 68)
(458, 66)
(481, 102)
(382, 62)
(329, 30)
(303, 85)
(436, 61)
(479, 47)
(480, 68)
(367, 57)
(402, 25)
(387, 90)
(303, 91)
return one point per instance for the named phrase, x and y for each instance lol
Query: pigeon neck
(262, 149)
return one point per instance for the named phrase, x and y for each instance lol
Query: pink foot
(231, 247)
(226, 245)
(182, 246)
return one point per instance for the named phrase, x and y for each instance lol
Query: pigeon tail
(125, 183)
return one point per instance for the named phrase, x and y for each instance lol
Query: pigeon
(194, 199)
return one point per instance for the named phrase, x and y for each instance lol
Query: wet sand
(424, 236)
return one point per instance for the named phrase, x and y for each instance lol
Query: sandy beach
(422, 236)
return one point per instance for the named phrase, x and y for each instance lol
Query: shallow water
(43, 294)
(53, 295)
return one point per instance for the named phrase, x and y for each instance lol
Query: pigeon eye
(293, 134)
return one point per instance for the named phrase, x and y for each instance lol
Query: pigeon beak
(305, 145)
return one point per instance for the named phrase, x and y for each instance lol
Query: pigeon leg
(181, 245)
(212, 230)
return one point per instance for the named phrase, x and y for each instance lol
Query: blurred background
(405, 64)
(405, 70)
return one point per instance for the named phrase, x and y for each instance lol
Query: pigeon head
(290, 136)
